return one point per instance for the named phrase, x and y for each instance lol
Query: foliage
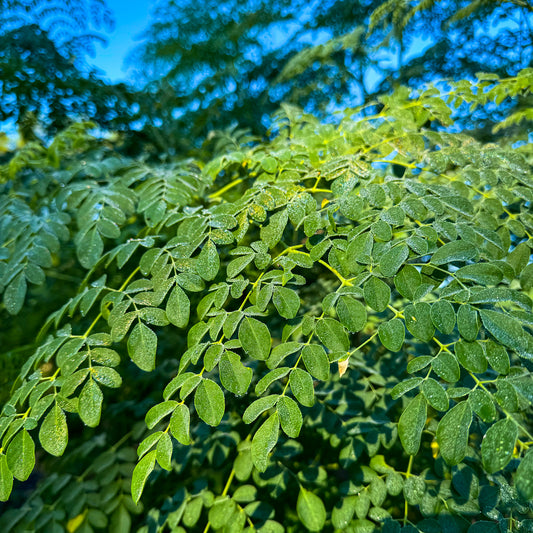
(254, 55)
(72, 24)
(40, 79)
(327, 331)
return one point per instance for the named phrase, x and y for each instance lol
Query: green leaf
(452, 433)
(255, 338)
(53, 433)
(140, 474)
(467, 322)
(505, 329)
(234, 376)
(443, 316)
(404, 386)
(332, 335)
(290, 416)
(14, 294)
(454, 251)
(238, 264)
(142, 346)
(498, 444)
(359, 251)
(392, 334)
(209, 402)
(524, 476)
(311, 510)
(259, 406)
(180, 423)
(471, 356)
(302, 387)
(281, 351)
(377, 294)
(208, 262)
(316, 361)
(343, 512)
(391, 261)
(108, 377)
(221, 512)
(407, 281)
(414, 489)
(435, 394)
(158, 412)
(411, 424)
(6, 479)
(482, 273)
(482, 405)
(164, 451)
(90, 403)
(286, 301)
(446, 367)
(21, 456)
(264, 440)
(272, 233)
(90, 248)
(497, 357)
(352, 313)
(178, 307)
(418, 321)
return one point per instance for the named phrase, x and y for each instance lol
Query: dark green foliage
(289, 336)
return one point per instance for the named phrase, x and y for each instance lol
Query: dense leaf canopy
(330, 330)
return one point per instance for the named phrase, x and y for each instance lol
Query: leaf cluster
(330, 330)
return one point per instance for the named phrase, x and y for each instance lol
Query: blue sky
(132, 17)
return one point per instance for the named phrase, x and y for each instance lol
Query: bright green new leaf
(290, 416)
(234, 376)
(316, 361)
(90, 403)
(209, 402)
(452, 433)
(158, 412)
(6, 479)
(392, 334)
(53, 434)
(21, 455)
(264, 440)
(286, 301)
(498, 444)
(142, 347)
(179, 424)
(311, 510)
(255, 338)
(164, 451)
(140, 474)
(411, 424)
(302, 387)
